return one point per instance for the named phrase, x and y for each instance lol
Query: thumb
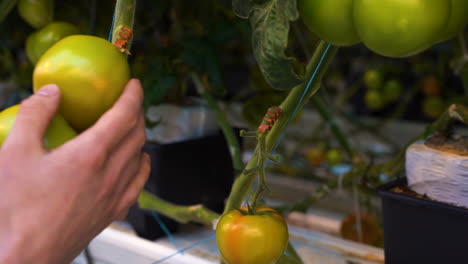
(34, 117)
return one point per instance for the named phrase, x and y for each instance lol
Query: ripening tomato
(260, 238)
(315, 156)
(40, 41)
(59, 130)
(91, 74)
(331, 20)
(400, 28)
(37, 13)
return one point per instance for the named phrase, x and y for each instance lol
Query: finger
(34, 117)
(125, 155)
(130, 196)
(118, 121)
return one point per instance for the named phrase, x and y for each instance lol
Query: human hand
(54, 202)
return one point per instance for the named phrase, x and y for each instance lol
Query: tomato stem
(296, 99)
(123, 17)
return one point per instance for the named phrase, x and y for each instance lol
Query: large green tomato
(458, 19)
(252, 239)
(36, 12)
(91, 74)
(59, 130)
(40, 41)
(400, 28)
(331, 20)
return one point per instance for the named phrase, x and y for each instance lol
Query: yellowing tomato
(91, 74)
(252, 239)
(59, 130)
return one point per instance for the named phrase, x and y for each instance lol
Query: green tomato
(331, 20)
(37, 13)
(91, 74)
(400, 28)
(433, 106)
(374, 100)
(392, 90)
(40, 41)
(59, 130)
(373, 79)
(458, 19)
(334, 156)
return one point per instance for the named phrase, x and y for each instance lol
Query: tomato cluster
(392, 28)
(380, 91)
(90, 72)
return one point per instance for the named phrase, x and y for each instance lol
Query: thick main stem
(296, 99)
(123, 16)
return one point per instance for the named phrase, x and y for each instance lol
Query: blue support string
(185, 249)
(112, 27)
(312, 78)
(164, 228)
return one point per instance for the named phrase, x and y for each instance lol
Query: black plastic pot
(417, 230)
(197, 171)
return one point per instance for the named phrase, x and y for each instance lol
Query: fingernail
(48, 90)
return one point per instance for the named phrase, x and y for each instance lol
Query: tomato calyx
(252, 210)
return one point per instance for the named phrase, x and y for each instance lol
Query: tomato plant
(331, 20)
(89, 83)
(37, 13)
(38, 42)
(259, 238)
(400, 28)
(59, 130)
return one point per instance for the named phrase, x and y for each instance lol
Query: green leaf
(270, 23)
(5, 7)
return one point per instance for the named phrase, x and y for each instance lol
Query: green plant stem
(296, 99)
(328, 117)
(123, 16)
(182, 214)
(221, 119)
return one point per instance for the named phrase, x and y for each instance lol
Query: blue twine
(112, 27)
(303, 95)
(164, 228)
(185, 249)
